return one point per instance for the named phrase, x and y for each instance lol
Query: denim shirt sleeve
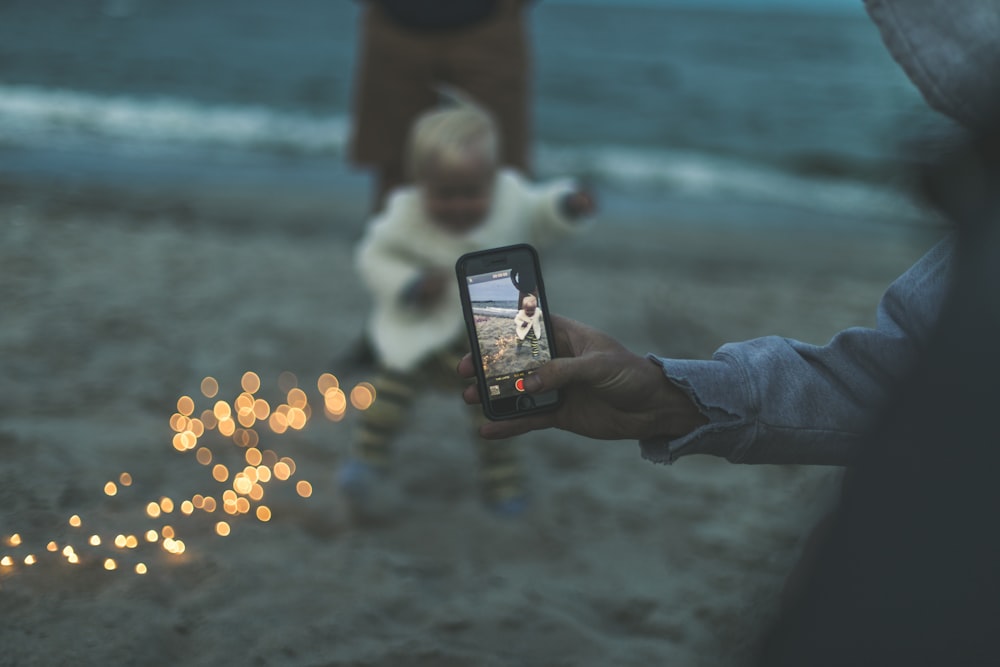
(777, 400)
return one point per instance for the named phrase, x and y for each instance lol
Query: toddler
(460, 201)
(528, 324)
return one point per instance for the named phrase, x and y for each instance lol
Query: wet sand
(115, 306)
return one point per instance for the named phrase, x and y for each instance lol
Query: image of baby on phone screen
(528, 324)
(460, 200)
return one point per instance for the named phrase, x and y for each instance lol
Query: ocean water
(665, 109)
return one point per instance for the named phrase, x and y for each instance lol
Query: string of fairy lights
(225, 439)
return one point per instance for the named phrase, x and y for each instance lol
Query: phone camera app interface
(509, 327)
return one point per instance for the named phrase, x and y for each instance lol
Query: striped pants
(395, 393)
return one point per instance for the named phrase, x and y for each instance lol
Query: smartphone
(510, 333)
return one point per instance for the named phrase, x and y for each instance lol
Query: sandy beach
(114, 306)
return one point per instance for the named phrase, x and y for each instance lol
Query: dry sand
(112, 308)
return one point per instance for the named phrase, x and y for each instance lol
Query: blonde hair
(447, 135)
(526, 299)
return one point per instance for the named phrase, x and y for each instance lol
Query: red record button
(519, 384)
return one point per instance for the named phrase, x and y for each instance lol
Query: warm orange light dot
(242, 505)
(222, 528)
(187, 508)
(152, 535)
(241, 484)
(75, 521)
(67, 550)
(263, 513)
(15, 539)
(204, 455)
(263, 474)
(250, 382)
(73, 558)
(209, 387)
(304, 488)
(178, 422)
(256, 492)
(254, 456)
(297, 398)
(250, 473)
(6, 561)
(326, 382)
(227, 427)
(188, 439)
(140, 568)
(362, 396)
(197, 427)
(209, 505)
(153, 510)
(335, 401)
(167, 532)
(52, 546)
(261, 409)
(222, 410)
(220, 473)
(169, 545)
(297, 418)
(282, 471)
(229, 496)
(95, 540)
(185, 405)
(110, 564)
(131, 542)
(178, 442)
(208, 419)
(288, 461)
(198, 501)
(30, 559)
(110, 489)
(278, 422)
(125, 479)
(120, 541)
(167, 505)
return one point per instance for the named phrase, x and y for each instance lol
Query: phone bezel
(485, 261)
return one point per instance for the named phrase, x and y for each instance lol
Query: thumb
(556, 374)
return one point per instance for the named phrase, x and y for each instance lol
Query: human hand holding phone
(608, 392)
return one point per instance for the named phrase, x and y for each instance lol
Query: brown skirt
(399, 68)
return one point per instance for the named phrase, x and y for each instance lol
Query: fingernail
(532, 383)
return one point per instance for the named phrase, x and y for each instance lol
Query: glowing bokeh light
(297, 398)
(362, 396)
(288, 461)
(222, 528)
(282, 471)
(203, 455)
(120, 541)
(222, 411)
(263, 513)
(209, 387)
(95, 540)
(125, 479)
(297, 418)
(187, 508)
(167, 532)
(75, 521)
(30, 559)
(68, 551)
(263, 474)
(242, 505)
(250, 382)
(256, 492)
(254, 457)
(110, 564)
(303, 488)
(152, 535)
(326, 382)
(7, 561)
(208, 419)
(197, 427)
(185, 405)
(261, 409)
(210, 505)
(227, 427)
(220, 473)
(131, 542)
(14, 540)
(52, 546)
(73, 558)
(241, 484)
(110, 489)
(167, 505)
(153, 510)
(140, 568)
(178, 422)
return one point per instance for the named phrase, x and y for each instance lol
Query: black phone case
(483, 256)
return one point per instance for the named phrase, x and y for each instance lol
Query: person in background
(410, 48)
(461, 200)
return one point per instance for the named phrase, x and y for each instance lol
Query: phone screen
(504, 299)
